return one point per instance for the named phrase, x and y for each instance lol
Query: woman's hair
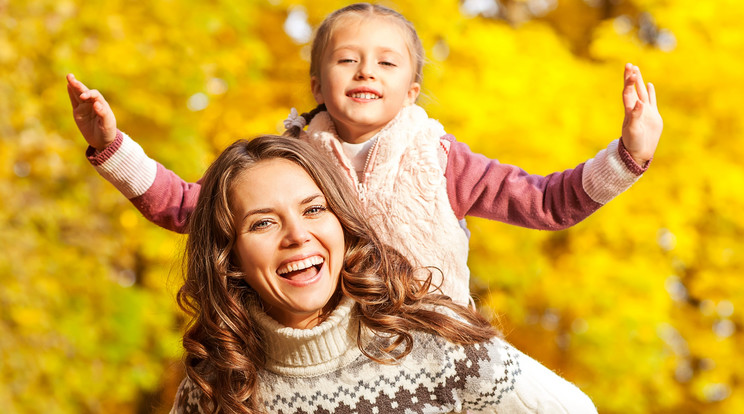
(223, 348)
(325, 32)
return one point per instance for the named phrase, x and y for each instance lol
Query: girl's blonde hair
(361, 10)
(224, 350)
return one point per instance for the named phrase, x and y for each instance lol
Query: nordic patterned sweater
(417, 184)
(321, 370)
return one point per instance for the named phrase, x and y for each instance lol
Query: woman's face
(289, 244)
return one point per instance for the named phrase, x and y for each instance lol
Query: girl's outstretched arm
(642, 124)
(158, 193)
(93, 115)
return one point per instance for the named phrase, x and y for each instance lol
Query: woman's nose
(295, 233)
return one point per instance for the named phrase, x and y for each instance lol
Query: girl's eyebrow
(354, 48)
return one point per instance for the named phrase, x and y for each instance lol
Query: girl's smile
(364, 94)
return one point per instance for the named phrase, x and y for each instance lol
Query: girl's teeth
(300, 265)
(364, 96)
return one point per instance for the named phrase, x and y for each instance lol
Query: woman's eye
(261, 224)
(315, 210)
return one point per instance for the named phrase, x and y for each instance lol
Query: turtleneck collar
(310, 352)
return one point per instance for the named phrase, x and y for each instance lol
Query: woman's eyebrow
(312, 198)
(266, 210)
(249, 213)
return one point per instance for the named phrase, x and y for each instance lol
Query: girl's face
(366, 76)
(290, 246)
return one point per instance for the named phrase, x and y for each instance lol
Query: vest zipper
(362, 191)
(362, 181)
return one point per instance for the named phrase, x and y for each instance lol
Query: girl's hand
(93, 115)
(642, 124)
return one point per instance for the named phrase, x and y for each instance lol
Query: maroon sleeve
(483, 187)
(169, 201)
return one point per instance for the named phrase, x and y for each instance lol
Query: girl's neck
(355, 136)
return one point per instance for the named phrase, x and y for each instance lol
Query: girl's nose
(365, 70)
(295, 233)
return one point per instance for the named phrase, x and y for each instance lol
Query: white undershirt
(357, 153)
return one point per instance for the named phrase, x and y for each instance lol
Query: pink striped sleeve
(483, 187)
(158, 193)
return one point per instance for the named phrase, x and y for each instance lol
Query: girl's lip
(363, 89)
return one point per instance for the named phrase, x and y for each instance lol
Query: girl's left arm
(483, 187)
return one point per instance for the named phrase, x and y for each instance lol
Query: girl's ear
(315, 87)
(413, 93)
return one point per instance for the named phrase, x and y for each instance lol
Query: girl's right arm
(159, 194)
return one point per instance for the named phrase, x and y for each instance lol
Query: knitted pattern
(436, 377)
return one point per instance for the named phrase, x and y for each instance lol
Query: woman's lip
(297, 258)
(306, 282)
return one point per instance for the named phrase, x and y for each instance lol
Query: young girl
(298, 307)
(416, 182)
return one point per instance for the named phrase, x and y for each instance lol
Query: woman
(298, 307)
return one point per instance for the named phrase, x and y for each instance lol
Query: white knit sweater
(321, 370)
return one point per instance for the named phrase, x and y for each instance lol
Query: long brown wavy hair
(224, 350)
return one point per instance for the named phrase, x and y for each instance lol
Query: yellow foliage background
(640, 305)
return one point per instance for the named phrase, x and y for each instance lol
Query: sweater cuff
(629, 161)
(608, 174)
(125, 165)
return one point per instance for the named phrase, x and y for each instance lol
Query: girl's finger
(74, 96)
(91, 94)
(641, 86)
(629, 93)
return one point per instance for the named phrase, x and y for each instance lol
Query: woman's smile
(303, 272)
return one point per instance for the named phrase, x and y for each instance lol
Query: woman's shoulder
(493, 376)
(187, 398)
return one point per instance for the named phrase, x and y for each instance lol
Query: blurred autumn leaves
(640, 305)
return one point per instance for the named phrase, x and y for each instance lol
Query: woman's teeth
(300, 265)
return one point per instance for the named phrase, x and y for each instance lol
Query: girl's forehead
(363, 25)
(371, 31)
